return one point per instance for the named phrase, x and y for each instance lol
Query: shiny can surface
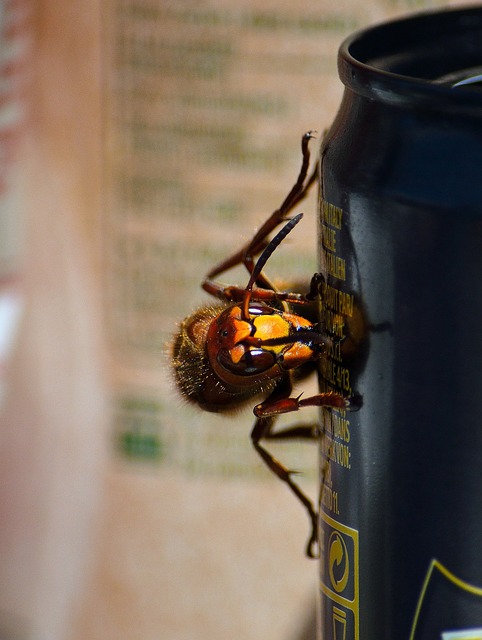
(401, 247)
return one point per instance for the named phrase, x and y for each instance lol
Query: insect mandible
(254, 344)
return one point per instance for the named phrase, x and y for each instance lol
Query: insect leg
(262, 429)
(297, 193)
(259, 241)
(266, 292)
(277, 405)
(295, 432)
(233, 293)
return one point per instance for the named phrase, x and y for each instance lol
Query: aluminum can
(401, 249)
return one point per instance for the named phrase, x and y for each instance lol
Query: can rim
(379, 62)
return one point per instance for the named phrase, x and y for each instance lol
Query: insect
(255, 343)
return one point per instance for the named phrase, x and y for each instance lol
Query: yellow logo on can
(338, 562)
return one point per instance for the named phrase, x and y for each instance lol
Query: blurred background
(141, 141)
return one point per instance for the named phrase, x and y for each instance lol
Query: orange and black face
(221, 359)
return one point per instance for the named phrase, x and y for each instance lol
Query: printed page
(204, 107)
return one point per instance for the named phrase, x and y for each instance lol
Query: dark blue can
(401, 248)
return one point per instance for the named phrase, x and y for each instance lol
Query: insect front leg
(278, 406)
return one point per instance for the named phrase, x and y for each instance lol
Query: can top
(432, 58)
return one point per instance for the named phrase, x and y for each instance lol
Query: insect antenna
(263, 259)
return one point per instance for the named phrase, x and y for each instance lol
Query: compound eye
(252, 362)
